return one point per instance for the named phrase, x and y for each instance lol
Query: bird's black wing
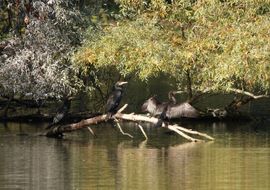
(113, 101)
(61, 113)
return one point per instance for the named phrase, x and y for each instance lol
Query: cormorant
(182, 110)
(61, 112)
(173, 111)
(153, 106)
(166, 106)
(163, 115)
(156, 108)
(114, 99)
(171, 96)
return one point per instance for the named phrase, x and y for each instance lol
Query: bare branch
(141, 128)
(173, 128)
(122, 108)
(193, 132)
(91, 131)
(247, 93)
(121, 130)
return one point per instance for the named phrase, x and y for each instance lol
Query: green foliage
(127, 46)
(222, 44)
(239, 43)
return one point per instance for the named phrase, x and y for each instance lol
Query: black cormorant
(182, 110)
(165, 106)
(114, 98)
(173, 111)
(61, 112)
(153, 106)
(156, 108)
(163, 115)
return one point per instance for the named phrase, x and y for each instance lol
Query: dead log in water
(59, 130)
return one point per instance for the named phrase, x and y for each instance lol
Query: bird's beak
(122, 83)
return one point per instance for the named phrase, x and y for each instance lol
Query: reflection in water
(238, 159)
(32, 163)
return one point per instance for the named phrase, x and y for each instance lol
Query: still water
(239, 158)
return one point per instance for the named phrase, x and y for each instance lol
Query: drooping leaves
(221, 44)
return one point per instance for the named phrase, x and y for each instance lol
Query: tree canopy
(205, 45)
(214, 44)
(36, 63)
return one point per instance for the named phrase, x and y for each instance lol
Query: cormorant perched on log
(173, 111)
(153, 106)
(156, 109)
(61, 112)
(163, 115)
(114, 99)
(166, 106)
(182, 110)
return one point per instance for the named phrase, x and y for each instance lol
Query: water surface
(239, 158)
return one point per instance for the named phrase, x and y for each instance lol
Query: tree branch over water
(238, 91)
(59, 130)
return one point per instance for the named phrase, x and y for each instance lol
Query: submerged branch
(141, 128)
(173, 128)
(194, 132)
(121, 130)
(91, 131)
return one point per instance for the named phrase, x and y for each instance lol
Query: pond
(239, 158)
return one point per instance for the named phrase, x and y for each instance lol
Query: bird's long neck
(172, 99)
(118, 88)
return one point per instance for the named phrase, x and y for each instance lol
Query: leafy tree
(37, 64)
(216, 46)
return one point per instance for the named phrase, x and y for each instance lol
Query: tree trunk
(189, 86)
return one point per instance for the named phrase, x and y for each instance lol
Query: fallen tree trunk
(59, 130)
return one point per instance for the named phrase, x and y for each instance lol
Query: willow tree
(36, 64)
(208, 46)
